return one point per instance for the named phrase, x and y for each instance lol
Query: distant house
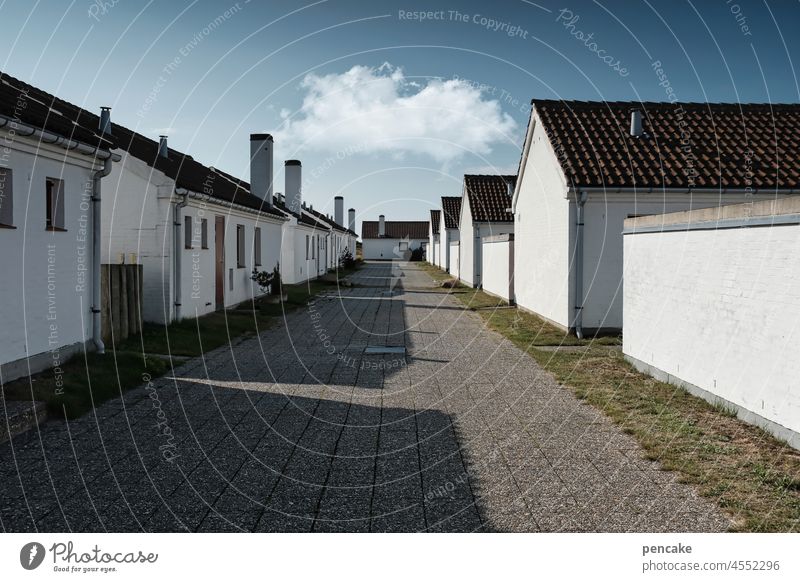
(433, 255)
(52, 159)
(485, 211)
(586, 167)
(448, 232)
(388, 240)
(197, 231)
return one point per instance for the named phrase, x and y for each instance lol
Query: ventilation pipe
(636, 123)
(351, 219)
(582, 196)
(381, 226)
(293, 174)
(261, 166)
(163, 151)
(105, 120)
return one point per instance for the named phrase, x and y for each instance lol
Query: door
(219, 250)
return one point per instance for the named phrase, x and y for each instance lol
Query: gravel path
(303, 428)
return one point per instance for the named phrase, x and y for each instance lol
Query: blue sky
(382, 106)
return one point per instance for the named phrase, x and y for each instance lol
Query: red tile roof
(684, 145)
(489, 197)
(436, 218)
(451, 206)
(396, 229)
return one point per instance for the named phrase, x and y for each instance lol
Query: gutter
(57, 140)
(176, 243)
(581, 202)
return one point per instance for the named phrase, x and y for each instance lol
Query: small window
(307, 245)
(187, 232)
(240, 245)
(6, 198)
(257, 246)
(204, 233)
(55, 204)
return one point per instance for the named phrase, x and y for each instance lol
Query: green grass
(87, 381)
(752, 476)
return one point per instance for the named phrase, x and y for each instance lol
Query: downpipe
(176, 243)
(582, 197)
(97, 332)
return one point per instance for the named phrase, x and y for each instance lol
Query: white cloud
(377, 110)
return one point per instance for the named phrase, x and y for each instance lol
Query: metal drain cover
(377, 350)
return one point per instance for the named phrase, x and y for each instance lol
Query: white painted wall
(451, 235)
(497, 255)
(542, 234)
(720, 310)
(45, 297)
(386, 248)
(466, 253)
(455, 261)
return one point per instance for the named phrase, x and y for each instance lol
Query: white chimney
(636, 123)
(351, 219)
(381, 226)
(163, 151)
(338, 210)
(293, 174)
(261, 166)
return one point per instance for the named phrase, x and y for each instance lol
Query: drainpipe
(582, 196)
(97, 332)
(176, 243)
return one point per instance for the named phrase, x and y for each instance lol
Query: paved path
(302, 429)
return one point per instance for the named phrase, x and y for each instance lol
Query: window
(240, 245)
(257, 246)
(204, 233)
(187, 232)
(6, 198)
(55, 204)
(307, 245)
(403, 246)
(313, 244)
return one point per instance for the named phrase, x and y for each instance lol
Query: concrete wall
(455, 259)
(45, 297)
(718, 310)
(386, 248)
(497, 255)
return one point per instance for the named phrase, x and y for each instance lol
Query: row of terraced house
(78, 191)
(675, 224)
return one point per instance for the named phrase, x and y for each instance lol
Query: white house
(388, 240)
(448, 232)
(52, 158)
(485, 211)
(586, 167)
(434, 250)
(197, 231)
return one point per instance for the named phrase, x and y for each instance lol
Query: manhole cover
(385, 350)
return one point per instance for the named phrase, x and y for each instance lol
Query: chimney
(338, 210)
(351, 219)
(163, 152)
(636, 123)
(280, 198)
(105, 120)
(293, 174)
(381, 226)
(261, 166)
(510, 187)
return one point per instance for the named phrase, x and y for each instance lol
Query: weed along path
(385, 406)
